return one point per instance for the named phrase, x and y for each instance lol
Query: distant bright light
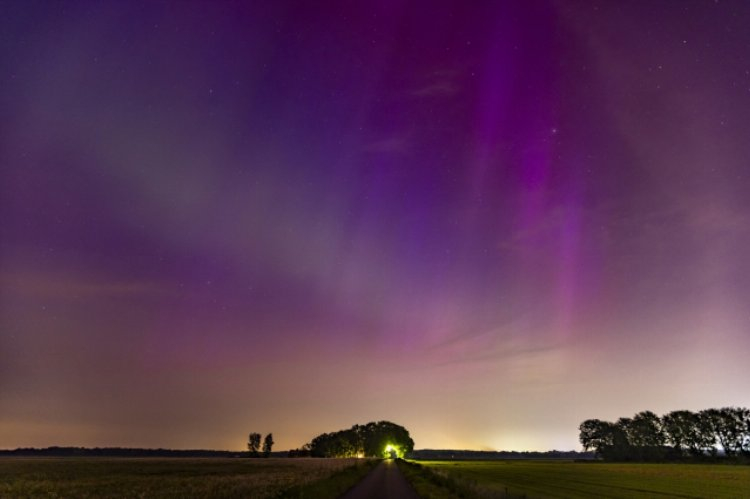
(392, 451)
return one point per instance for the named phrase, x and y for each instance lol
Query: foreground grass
(178, 477)
(334, 485)
(430, 484)
(568, 479)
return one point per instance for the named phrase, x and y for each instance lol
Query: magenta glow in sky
(485, 221)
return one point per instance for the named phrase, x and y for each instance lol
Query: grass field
(177, 477)
(567, 479)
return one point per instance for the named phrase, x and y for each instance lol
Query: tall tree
(267, 444)
(739, 419)
(729, 424)
(595, 435)
(646, 430)
(701, 439)
(645, 437)
(746, 439)
(626, 426)
(253, 444)
(724, 426)
(679, 427)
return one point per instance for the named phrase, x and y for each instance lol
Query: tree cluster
(381, 439)
(253, 444)
(676, 435)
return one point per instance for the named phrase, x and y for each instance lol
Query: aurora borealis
(485, 221)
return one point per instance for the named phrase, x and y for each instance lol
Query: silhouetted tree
(378, 435)
(680, 429)
(716, 423)
(267, 444)
(738, 418)
(702, 439)
(626, 426)
(253, 444)
(363, 440)
(595, 435)
(729, 427)
(645, 436)
(646, 430)
(620, 450)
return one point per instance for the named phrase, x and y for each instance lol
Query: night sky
(485, 221)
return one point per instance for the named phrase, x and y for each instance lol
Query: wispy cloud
(490, 345)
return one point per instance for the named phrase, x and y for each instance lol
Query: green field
(177, 477)
(569, 479)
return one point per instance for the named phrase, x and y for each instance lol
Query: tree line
(253, 444)
(676, 435)
(486, 455)
(376, 439)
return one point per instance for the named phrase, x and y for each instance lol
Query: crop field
(595, 479)
(161, 477)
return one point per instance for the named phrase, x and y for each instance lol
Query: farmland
(568, 479)
(174, 477)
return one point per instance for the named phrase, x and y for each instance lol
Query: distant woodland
(677, 436)
(445, 454)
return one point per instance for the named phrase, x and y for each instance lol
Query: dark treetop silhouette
(267, 445)
(676, 435)
(253, 444)
(381, 439)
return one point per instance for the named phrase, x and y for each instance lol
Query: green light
(391, 451)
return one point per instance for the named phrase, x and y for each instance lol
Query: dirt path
(384, 482)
